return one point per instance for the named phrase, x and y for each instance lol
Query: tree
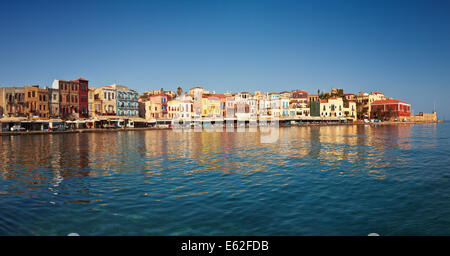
(359, 115)
(179, 90)
(323, 95)
(388, 114)
(144, 96)
(377, 113)
(345, 102)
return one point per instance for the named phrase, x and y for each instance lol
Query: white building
(332, 107)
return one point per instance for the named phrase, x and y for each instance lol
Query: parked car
(17, 128)
(366, 121)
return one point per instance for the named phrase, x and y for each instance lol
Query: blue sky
(401, 48)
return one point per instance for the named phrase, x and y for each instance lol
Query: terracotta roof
(313, 95)
(81, 79)
(388, 101)
(324, 101)
(213, 96)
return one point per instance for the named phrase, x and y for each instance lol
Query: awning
(331, 119)
(138, 119)
(310, 118)
(12, 119)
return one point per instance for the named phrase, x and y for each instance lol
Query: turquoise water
(332, 180)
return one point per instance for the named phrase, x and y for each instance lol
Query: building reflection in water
(37, 161)
(152, 157)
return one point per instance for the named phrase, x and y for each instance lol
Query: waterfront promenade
(168, 127)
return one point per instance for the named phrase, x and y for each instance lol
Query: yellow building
(155, 109)
(211, 106)
(205, 111)
(107, 96)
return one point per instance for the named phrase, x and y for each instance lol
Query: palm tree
(179, 90)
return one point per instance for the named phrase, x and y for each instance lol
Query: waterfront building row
(244, 105)
(75, 100)
(69, 100)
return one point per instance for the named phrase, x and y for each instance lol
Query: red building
(390, 108)
(83, 93)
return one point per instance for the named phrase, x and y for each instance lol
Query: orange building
(36, 101)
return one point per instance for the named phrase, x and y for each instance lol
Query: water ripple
(330, 180)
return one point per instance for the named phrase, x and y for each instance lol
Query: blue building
(127, 101)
